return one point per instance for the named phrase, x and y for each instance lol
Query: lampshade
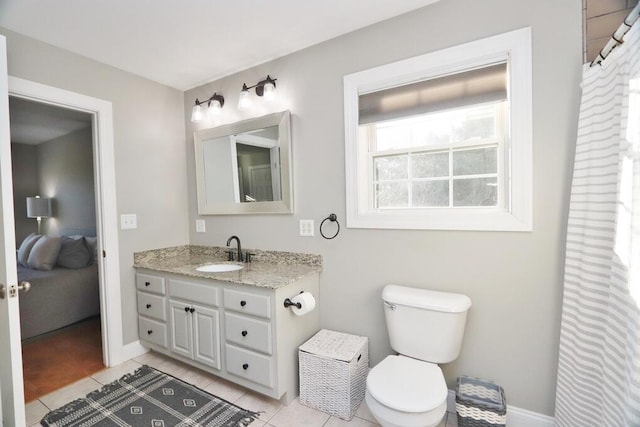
(269, 91)
(215, 108)
(38, 207)
(196, 113)
(244, 101)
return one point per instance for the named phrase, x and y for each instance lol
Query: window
(445, 146)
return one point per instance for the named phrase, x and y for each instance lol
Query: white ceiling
(186, 43)
(34, 123)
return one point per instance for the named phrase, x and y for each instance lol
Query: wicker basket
(480, 403)
(333, 372)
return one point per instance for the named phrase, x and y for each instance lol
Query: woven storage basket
(333, 372)
(480, 403)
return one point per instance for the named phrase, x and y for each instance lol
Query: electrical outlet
(128, 221)
(200, 226)
(306, 227)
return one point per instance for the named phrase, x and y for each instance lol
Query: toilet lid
(407, 384)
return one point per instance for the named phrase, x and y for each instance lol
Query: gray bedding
(57, 298)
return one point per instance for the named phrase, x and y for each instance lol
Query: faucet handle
(230, 254)
(248, 256)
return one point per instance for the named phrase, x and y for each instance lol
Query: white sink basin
(219, 268)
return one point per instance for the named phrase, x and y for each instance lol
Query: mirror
(245, 167)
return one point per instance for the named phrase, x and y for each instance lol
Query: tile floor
(273, 413)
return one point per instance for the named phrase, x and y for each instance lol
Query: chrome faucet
(237, 239)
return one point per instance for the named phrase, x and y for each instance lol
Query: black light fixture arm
(260, 85)
(215, 97)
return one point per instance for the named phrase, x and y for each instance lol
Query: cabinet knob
(191, 310)
(243, 303)
(186, 309)
(244, 333)
(245, 366)
(148, 305)
(147, 283)
(149, 332)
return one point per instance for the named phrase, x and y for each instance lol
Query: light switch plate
(306, 227)
(128, 221)
(200, 226)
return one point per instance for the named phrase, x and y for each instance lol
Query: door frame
(106, 211)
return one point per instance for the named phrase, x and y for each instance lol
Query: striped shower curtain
(599, 361)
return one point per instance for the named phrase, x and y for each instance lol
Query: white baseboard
(516, 417)
(131, 351)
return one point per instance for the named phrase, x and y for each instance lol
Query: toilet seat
(408, 385)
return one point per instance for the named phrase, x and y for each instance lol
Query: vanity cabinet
(240, 332)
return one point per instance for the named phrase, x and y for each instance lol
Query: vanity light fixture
(215, 104)
(266, 88)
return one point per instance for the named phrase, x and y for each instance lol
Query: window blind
(476, 86)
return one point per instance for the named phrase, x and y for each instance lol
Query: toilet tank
(424, 324)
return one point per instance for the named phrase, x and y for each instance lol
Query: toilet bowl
(425, 328)
(406, 392)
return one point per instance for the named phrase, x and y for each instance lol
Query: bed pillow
(92, 245)
(73, 253)
(44, 253)
(25, 248)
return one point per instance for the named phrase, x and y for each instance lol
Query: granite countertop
(268, 269)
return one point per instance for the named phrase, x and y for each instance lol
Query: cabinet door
(181, 328)
(206, 336)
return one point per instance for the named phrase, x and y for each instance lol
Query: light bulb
(244, 101)
(196, 113)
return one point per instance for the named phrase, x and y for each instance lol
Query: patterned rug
(150, 398)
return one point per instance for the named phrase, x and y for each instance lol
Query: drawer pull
(149, 332)
(244, 333)
(243, 303)
(148, 306)
(147, 283)
(245, 366)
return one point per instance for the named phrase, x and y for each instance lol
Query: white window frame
(513, 47)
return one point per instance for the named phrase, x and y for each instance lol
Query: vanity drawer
(197, 292)
(152, 306)
(249, 365)
(245, 302)
(247, 332)
(152, 331)
(149, 283)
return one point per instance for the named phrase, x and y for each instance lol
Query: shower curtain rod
(616, 38)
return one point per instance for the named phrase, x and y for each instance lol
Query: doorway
(52, 164)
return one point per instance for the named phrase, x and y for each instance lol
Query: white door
(11, 386)
(260, 183)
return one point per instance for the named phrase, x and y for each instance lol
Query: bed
(58, 297)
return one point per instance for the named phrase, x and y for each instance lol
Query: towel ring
(333, 218)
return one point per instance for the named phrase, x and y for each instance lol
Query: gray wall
(514, 279)
(66, 175)
(148, 121)
(24, 163)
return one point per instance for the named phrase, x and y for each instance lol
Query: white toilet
(425, 328)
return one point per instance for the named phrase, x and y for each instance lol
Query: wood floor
(60, 358)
